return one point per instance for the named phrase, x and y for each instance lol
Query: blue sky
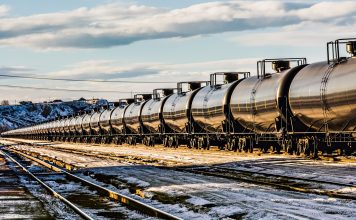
(156, 40)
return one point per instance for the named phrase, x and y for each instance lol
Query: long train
(300, 108)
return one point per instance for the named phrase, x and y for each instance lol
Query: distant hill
(17, 116)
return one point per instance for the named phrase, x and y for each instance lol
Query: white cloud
(114, 24)
(309, 33)
(4, 9)
(327, 10)
(114, 70)
(108, 69)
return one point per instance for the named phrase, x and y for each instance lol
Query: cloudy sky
(155, 41)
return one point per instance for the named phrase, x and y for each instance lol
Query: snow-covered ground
(192, 196)
(217, 198)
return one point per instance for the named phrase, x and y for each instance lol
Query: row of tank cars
(299, 108)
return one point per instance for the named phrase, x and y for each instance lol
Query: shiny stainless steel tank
(132, 117)
(209, 104)
(78, 124)
(67, 125)
(151, 114)
(57, 127)
(94, 122)
(86, 123)
(176, 110)
(104, 120)
(51, 129)
(256, 101)
(117, 119)
(318, 95)
(62, 126)
(72, 124)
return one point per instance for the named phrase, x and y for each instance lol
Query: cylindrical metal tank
(57, 127)
(62, 126)
(86, 123)
(177, 108)
(67, 125)
(151, 114)
(321, 95)
(132, 116)
(117, 119)
(256, 102)
(51, 129)
(104, 120)
(94, 122)
(72, 125)
(78, 124)
(209, 106)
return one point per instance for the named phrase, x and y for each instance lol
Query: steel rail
(283, 176)
(137, 205)
(261, 182)
(49, 189)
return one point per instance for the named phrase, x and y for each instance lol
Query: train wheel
(176, 143)
(299, 149)
(207, 144)
(170, 142)
(252, 145)
(289, 147)
(192, 143)
(307, 151)
(277, 148)
(165, 141)
(348, 149)
(200, 143)
(314, 149)
(234, 145)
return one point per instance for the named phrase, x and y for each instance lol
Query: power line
(81, 80)
(67, 90)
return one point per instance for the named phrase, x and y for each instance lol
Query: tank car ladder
(324, 103)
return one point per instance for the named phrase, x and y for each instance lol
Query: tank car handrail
(166, 92)
(335, 49)
(213, 76)
(145, 97)
(261, 65)
(180, 85)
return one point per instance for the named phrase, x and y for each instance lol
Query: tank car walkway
(15, 201)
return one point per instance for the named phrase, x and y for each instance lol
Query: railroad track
(131, 203)
(285, 182)
(276, 181)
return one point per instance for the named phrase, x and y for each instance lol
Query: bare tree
(5, 102)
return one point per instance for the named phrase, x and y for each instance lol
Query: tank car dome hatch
(177, 108)
(151, 113)
(211, 104)
(351, 48)
(256, 101)
(280, 65)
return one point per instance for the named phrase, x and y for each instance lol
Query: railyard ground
(193, 196)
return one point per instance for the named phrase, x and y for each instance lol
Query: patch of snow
(140, 183)
(198, 201)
